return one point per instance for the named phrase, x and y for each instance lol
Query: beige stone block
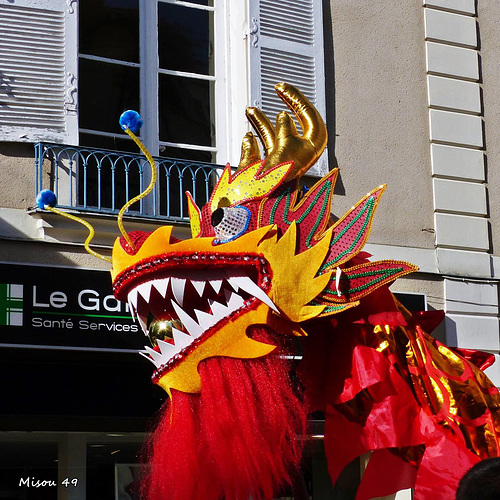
(454, 94)
(464, 263)
(470, 297)
(452, 61)
(451, 161)
(461, 231)
(461, 197)
(465, 6)
(472, 332)
(456, 128)
(452, 28)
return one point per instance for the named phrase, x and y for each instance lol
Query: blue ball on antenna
(132, 120)
(46, 197)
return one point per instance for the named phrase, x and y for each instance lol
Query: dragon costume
(268, 272)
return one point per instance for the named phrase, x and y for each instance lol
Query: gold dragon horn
(284, 143)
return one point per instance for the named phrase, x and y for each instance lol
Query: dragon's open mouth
(181, 309)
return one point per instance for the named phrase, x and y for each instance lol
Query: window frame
(149, 73)
(232, 38)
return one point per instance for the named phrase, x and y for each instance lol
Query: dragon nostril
(217, 217)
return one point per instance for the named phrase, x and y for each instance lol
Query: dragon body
(267, 268)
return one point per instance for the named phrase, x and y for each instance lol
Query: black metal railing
(102, 181)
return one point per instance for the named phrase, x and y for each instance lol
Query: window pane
(184, 39)
(27, 459)
(113, 469)
(106, 91)
(186, 154)
(184, 110)
(202, 2)
(110, 28)
(103, 142)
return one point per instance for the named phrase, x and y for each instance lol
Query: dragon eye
(229, 223)
(217, 217)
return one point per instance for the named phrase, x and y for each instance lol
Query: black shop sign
(63, 307)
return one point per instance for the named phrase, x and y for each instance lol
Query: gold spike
(283, 143)
(250, 152)
(264, 128)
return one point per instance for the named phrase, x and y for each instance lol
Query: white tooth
(143, 323)
(216, 284)
(155, 356)
(131, 308)
(219, 310)
(233, 281)
(204, 319)
(132, 299)
(148, 357)
(235, 302)
(199, 286)
(181, 339)
(132, 303)
(167, 350)
(178, 289)
(194, 329)
(145, 290)
(246, 283)
(161, 286)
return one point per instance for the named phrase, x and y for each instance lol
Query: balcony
(101, 181)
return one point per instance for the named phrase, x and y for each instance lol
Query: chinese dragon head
(268, 271)
(263, 252)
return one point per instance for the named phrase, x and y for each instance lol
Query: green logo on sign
(11, 305)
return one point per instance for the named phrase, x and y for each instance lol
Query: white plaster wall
(462, 184)
(17, 175)
(489, 23)
(380, 132)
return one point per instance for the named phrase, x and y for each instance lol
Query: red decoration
(250, 400)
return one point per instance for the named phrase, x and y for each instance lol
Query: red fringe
(237, 438)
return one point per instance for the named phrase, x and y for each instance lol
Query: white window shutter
(286, 45)
(38, 71)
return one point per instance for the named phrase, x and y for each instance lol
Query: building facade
(410, 93)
